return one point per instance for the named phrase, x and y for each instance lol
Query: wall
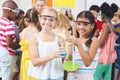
(26, 4)
(99, 2)
(80, 4)
(17, 1)
(22, 4)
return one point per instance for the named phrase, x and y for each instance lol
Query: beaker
(69, 63)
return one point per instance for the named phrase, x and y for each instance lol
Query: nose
(40, 8)
(48, 21)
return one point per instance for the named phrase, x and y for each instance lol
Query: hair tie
(95, 20)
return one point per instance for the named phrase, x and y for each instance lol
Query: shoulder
(34, 39)
(5, 21)
(22, 34)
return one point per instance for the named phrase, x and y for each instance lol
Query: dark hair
(108, 10)
(114, 7)
(8, 3)
(22, 25)
(95, 8)
(88, 15)
(20, 12)
(32, 16)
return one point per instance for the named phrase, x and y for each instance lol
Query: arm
(34, 54)
(62, 44)
(103, 37)
(10, 32)
(11, 44)
(88, 57)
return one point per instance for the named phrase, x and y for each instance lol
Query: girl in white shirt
(46, 63)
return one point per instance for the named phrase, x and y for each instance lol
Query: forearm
(14, 45)
(42, 60)
(85, 56)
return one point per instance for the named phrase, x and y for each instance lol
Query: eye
(85, 24)
(78, 23)
(41, 5)
(10, 10)
(51, 19)
(44, 18)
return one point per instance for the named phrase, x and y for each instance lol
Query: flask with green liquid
(69, 63)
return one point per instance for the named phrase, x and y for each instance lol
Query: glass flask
(69, 63)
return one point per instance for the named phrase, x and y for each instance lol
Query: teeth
(81, 31)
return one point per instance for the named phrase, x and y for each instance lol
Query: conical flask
(69, 63)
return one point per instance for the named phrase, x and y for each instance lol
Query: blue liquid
(63, 54)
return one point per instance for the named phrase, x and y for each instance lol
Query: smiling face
(11, 8)
(39, 5)
(48, 19)
(84, 26)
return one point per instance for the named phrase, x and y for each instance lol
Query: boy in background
(16, 63)
(94, 9)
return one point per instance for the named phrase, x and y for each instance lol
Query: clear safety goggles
(16, 11)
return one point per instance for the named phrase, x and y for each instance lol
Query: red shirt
(6, 29)
(99, 25)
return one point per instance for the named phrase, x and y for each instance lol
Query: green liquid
(70, 66)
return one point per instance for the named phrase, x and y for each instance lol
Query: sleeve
(9, 30)
(99, 25)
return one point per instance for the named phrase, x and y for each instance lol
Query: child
(62, 26)
(67, 12)
(7, 38)
(87, 46)
(46, 64)
(62, 30)
(39, 5)
(104, 70)
(32, 21)
(16, 61)
(116, 19)
(95, 10)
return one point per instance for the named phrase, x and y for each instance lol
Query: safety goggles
(16, 11)
(79, 23)
(47, 17)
